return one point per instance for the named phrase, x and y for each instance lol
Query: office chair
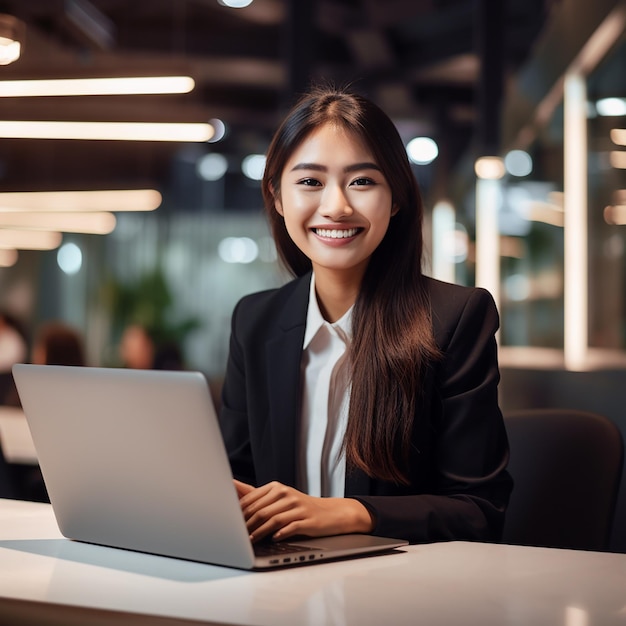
(567, 467)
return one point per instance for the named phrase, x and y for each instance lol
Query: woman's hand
(280, 512)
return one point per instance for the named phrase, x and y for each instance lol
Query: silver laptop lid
(110, 444)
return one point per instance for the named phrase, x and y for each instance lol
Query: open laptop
(135, 459)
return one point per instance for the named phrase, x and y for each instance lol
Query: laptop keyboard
(277, 549)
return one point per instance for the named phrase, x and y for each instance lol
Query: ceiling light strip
(65, 201)
(107, 131)
(87, 223)
(137, 85)
(29, 240)
(618, 136)
(618, 159)
(615, 215)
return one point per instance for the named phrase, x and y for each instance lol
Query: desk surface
(46, 579)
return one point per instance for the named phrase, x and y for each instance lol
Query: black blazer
(459, 486)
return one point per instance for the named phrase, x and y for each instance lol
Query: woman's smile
(337, 234)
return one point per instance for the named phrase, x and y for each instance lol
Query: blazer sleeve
(234, 413)
(465, 494)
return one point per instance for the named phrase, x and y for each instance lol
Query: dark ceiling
(419, 59)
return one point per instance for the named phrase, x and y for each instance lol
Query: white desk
(45, 579)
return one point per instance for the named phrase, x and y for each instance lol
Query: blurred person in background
(137, 348)
(13, 349)
(57, 343)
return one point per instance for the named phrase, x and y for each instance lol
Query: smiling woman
(362, 395)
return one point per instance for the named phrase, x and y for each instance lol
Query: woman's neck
(336, 292)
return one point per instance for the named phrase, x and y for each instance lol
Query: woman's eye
(363, 181)
(309, 182)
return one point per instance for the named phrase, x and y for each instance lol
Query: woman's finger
(271, 507)
(242, 488)
(275, 526)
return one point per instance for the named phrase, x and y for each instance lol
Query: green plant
(147, 302)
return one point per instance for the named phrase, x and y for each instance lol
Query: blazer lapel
(283, 356)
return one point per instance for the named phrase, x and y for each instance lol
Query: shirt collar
(315, 320)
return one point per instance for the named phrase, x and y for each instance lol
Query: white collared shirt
(321, 466)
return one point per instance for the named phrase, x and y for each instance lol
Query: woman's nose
(335, 203)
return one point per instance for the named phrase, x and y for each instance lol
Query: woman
(362, 395)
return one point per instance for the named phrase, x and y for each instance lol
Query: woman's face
(335, 201)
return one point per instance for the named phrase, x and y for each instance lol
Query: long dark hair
(393, 342)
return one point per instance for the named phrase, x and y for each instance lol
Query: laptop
(135, 459)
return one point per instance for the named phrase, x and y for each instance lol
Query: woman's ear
(277, 203)
(278, 206)
(394, 209)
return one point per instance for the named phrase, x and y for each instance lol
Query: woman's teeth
(336, 234)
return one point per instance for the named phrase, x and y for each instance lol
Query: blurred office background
(513, 113)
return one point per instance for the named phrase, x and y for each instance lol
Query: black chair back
(567, 467)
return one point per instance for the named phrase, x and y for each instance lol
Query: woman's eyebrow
(309, 166)
(367, 165)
